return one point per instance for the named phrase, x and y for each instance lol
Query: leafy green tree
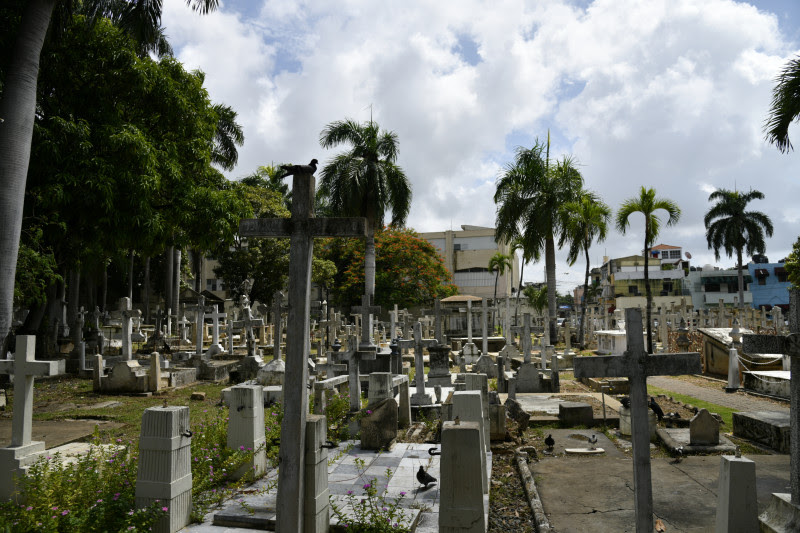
(586, 221)
(731, 227)
(18, 109)
(529, 196)
(365, 181)
(410, 270)
(793, 265)
(647, 204)
(785, 106)
(537, 297)
(498, 264)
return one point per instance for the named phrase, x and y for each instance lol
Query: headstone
(461, 475)
(703, 429)
(637, 365)
(23, 452)
(366, 310)
(420, 397)
(379, 426)
(301, 228)
(215, 347)
(165, 469)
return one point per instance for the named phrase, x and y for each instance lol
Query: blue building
(770, 286)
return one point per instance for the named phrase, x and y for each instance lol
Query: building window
(632, 289)
(674, 254)
(712, 287)
(780, 274)
(213, 284)
(762, 281)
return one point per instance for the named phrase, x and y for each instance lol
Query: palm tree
(785, 106)
(18, 106)
(537, 298)
(529, 196)
(647, 204)
(586, 221)
(527, 257)
(498, 264)
(729, 226)
(365, 181)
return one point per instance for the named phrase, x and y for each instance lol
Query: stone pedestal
(14, 463)
(737, 507)
(439, 373)
(165, 470)
(246, 427)
(316, 504)
(461, 497)
(468, 405)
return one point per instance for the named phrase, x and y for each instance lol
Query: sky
(669, 94)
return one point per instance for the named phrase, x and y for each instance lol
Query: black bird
(593, 441)
(550, 442)
(656, 408)
(291, 170)
(625, 401)
(424, 477)
(434, 451)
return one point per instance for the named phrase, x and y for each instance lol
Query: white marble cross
(215, 316)
(786, 345)
(366, 310)
(525, 339)
(419, 397)
(637, 365)
(25, 367)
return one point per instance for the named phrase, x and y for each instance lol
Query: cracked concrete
(594, 493)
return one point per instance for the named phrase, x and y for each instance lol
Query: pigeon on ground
(678, 456)
(550, 442)
(593, 441)
(656, 408)
(291, 170)
(425, 478)
(625, 401)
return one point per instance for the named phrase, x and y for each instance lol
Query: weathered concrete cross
(419, 397)
(637, 365)
(438, 334)
(247, 324)
(366, 310)
(215, 316)
(301, 228)
(786, 345)
(277, 327)
(525, 338)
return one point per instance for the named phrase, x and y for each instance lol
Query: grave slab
(770, 428)
(674, 438)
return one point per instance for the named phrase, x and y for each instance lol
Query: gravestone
(420, 397)
(23, 452)
(787, 506)
(528, 378)
(246, 428)
(366, 346)
(215, 347)
(637, 365)
(469, 351)
(127, 328)
(247, 323)
(302, 227)
(703, 429)
(484, 364)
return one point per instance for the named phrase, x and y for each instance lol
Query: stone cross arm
(776, 344)
(674, 364)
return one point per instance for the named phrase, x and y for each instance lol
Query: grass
(725, 412)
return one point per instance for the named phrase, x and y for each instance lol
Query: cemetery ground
(577, 493)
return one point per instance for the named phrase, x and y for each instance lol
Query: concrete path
(736, 400)
(596, 493)
(57, 432)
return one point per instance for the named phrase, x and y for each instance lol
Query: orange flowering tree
(409, 269)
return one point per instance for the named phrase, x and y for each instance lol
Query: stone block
(273, 373)
(246, 428)
(198, 396)
(316, 501)
(781, 516)
(380, 388)
(770, 428)
(379, 429)
(468, 406)
(165, 470)
(497, 422)
(625, 422)
(461, 497)
(485, 365)
(575, 414)
(737, 507)
(528, 379)
(14, 463)
(703, 429)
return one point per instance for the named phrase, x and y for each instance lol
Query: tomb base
(528, 379)
(421, 398)
(781, 515)
(14, 463)
(770, 428)
(442, 381)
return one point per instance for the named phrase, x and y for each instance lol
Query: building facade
(710, 285)
(466, 255)
(770, 286)
(623, 286)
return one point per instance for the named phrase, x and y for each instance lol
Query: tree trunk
(169, 276)
(130, 277)
(105, 285)
(519, 291)
(147, 289)
(648, 294)
(369, 262)
(585, 299)
(176, 289)
(73, 300)
(17, 109)
(740, 276)
(550, 266)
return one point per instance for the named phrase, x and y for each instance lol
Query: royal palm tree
(18, 106)
(529, 195)
(785, 106)
(730, 227)
(647, 204)
(365, 181)
(586, 221)
(527, 257)
(498, 264)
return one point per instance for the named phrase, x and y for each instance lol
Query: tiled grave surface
(349, 469)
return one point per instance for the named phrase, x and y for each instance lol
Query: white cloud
(670, 94)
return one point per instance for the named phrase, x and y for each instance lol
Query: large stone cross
(301, 228)
(438, 334)
(366, 309)
(525, 338)
(24, 366)
(199, 322)
(215, 315)
(419, 397)
(246, 324)
(786, 345)
(637, 365)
